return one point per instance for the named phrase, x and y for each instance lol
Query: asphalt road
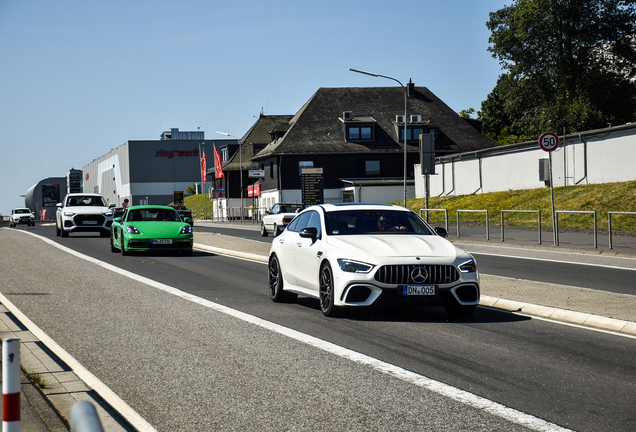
(549, 266)
(184, 365)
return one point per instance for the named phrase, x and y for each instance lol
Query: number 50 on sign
(549, 141)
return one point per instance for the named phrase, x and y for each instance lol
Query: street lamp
(240, 165)
(405, 107)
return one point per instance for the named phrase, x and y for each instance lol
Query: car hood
(159, 229)
(373, 247)
(86, 209)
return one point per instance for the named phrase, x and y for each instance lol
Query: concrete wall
(601, 156)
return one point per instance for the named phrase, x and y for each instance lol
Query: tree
(569, 64)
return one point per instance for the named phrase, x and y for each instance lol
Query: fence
(538, 212)
(609, 223)
(556, 224)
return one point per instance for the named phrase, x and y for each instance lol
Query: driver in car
(385, 224)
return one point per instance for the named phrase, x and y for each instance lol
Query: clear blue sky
(78, 78)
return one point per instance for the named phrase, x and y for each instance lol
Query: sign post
(549, 141)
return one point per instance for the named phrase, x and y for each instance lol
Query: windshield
(22, 211)
(75, 201)
(152, 215)
(352, 222)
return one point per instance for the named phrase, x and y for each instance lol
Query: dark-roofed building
(237, 162)
(356, 136)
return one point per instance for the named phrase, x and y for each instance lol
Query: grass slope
(600, 198)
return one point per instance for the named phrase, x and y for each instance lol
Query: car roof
(142, 207)
(84, 194)
(361, 206)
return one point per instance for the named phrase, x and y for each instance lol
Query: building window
(304, 164)
(271, 170)
(224, 154)
(372, 167)
(359, 133)
(411, 134)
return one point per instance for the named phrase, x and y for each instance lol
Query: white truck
(278, 217)
(82, 212)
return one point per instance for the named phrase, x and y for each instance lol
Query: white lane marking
(553, 261)
(461, 396)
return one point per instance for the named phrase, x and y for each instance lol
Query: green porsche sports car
(151, 228)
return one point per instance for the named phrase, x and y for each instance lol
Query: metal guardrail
(438, 210)
(475, 211)
(538, 212)
(609, 223)
(556, 225)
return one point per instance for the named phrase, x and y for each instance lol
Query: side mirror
(309, 232)
(112, 205)
(187, 219)
(58, 205)
(441, 232)
(117, 219)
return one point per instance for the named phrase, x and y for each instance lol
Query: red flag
(218, 164)
(203, 168)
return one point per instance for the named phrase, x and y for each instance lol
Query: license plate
(89, 222)
(419, 290)
(161, 241)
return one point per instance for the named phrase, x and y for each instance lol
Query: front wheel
(264, 232)
(122, 248)
(275, 279)
(326, 292)
(460, 311)
(113, 249)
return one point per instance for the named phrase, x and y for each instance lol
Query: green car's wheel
(122, 246)
(112, 244)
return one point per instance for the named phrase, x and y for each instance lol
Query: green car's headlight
(132, 230)
(351, 266)
(186, 229)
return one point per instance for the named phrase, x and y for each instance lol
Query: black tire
(113, 249)
(277, 231)
(264, 232)
(275, 280)
(460, 311)
(57, 230)
(122, 248)
(63, 233)
(326, 292)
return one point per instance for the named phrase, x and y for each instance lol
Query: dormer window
(358, 129)
(355, 133)
(414, 128)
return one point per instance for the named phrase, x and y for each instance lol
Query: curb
(64, 387)
(561, 315)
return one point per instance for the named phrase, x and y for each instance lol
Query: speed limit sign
(549, 141)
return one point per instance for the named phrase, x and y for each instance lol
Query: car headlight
(108, 214)
(469, 266)
(69, 213)
(186, 229)
(351, 266)
(132, 230)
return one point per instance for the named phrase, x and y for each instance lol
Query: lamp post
(240, 166)
(405, 108)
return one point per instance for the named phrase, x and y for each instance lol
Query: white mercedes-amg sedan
(356, 255)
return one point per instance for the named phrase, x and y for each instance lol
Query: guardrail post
(84, 418)
(11, 385)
